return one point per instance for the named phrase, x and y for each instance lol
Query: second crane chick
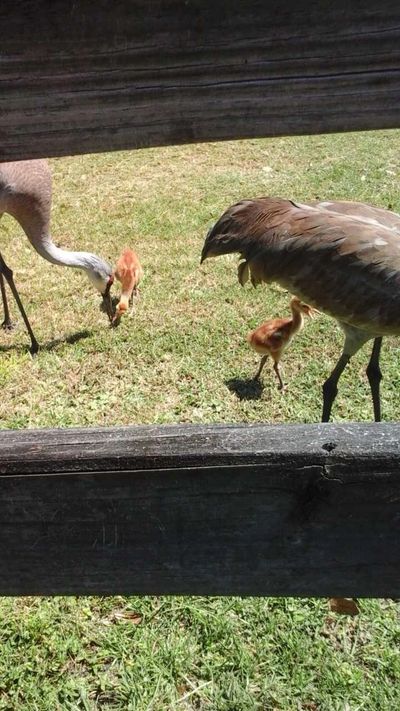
(274, 336)
(129, 272)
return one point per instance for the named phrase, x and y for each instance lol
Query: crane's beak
(116, 319)
(204, 252)
(107, 301)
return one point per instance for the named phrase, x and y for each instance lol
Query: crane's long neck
(63, 257)
(88, 262)
(33, 214)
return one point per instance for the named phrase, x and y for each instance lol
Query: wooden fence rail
(227, 510)
(77, 77)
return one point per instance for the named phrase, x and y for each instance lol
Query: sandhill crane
(341, 258)
(25, 193)
(274, 336)
(129, 272)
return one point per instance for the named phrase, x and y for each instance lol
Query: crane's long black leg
(374, 376)
(329, 388)
(262, 363)
(8, 275)
(7, 323)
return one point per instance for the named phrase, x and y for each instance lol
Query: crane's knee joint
(5, 270)
(329, 389)
(374, 373)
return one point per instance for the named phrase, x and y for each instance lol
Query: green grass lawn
(183, 357)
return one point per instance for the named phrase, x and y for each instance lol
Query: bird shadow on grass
(245, 389)
(50, 345)
(71, 339)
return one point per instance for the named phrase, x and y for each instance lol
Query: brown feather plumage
(274, 336)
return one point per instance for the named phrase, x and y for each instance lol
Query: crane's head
(101, 275)
(217, 243)
(230, 232)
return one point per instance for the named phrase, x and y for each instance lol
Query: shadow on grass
(50, 345)
(248, 389)
(71, 339)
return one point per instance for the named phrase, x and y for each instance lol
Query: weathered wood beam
(78, 77)
(239, 510)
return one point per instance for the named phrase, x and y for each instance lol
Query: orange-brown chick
(129, 272)
(274, 336)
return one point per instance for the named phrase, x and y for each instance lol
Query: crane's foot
(34, 348)
(8, 325)
(115, 321)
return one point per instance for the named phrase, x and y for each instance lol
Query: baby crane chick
(129, 272)
(274, 336)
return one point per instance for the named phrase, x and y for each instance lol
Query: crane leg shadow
(70, 339)
(245, 389)
(50, 345)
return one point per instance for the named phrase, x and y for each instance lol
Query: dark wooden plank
(174, 446)
(249, 510)
(78, 77)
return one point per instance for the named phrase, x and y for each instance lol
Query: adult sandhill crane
(275, 335)
(25, 193)
(341, 258)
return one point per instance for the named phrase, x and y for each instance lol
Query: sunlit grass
(187, 337)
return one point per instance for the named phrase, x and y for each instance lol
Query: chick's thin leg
(262, 363)
(278, 375)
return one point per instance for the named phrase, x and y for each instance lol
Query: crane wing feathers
(269, 227)
(337, 263)
(377, 216)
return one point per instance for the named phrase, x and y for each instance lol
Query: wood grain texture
(79, 77)
(249, 510)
